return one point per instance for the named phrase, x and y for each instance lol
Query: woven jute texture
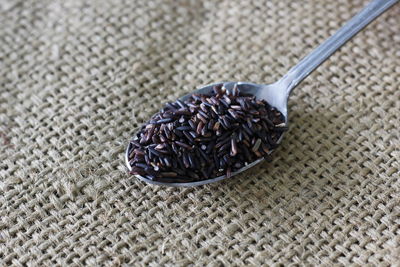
(78, 77)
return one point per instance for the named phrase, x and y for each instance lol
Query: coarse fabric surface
(78, 77)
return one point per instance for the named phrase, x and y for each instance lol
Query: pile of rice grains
(205, 136)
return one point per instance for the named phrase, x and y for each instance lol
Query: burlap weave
(77, 77)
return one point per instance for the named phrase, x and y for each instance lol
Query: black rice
(205, 136)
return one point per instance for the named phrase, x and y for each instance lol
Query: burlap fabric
(77, 78)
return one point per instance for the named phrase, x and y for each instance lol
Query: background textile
(77, 78)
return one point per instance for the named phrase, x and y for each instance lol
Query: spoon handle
(309, 63)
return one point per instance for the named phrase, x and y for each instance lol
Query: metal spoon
(277, 94)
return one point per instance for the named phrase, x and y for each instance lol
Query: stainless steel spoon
(277, 94)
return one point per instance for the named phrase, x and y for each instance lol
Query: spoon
(277, 94)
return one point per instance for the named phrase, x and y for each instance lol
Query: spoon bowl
(273, 94)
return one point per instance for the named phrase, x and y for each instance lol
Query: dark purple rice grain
(189, 137)
(193, 134)
(243, 104)
(221, 109)
(192, 162)
(137, 151)
(178, 171)
(174, 148)
(150, 171)
(167, 133)
(216, 126)
(221, 143)
(147, 159)
(179, 160)
(199, 127)
(204, 131)
(192, 125)
(181, 104)
(226, 104)
(233, 114)
(168, 174)
(240, 136)
(222, 122)
(227, 100)
(204, 139)
(214, 109)
(203, 119)
(226, 121)
(204, 115)
(185, 112)
(212, 101)
(253, 141)
(156, 138)
(179, 143)
(198, 156)
(163, 151)
(225, 146)
(178, 133)
(155, 152)
(185, 160)
(216, 161)
(163, 139)
(249, 124)
(190, 105)
(174, 163)
(247, 129)
(204, 156)
(227, 159)
(184, 128)
(225, 136)
(210, 170)
(203, 107)
(210, 125)
(236, 107)
(163, 121)
(192, 174)
(138, 158)
(207, 104)
(142, 140)
(159, 146)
